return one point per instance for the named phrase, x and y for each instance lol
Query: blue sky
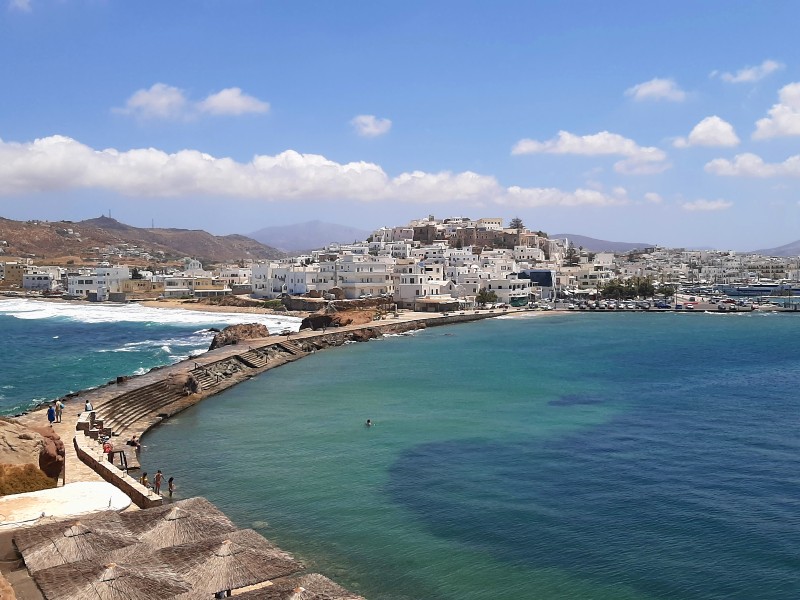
(675, 123)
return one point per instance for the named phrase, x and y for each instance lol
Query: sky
(673, 123)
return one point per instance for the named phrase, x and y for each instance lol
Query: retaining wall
(87, 450)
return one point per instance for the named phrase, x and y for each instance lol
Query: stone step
(123, 420)
(291, 347)
(205, 378)
(150, 399)
(132, 396)
(253, 359)
(112, 412)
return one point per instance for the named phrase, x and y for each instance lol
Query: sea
(624, 456)
(52, 348)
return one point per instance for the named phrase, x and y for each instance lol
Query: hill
(308, 236)
(790, 249)
(55, 240)
(595, 245)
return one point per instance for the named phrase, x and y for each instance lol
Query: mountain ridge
(597, 245)
(53, 240)
(309, 235)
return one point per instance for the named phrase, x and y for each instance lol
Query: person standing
(143, 480)
(171, 486)
(59, 409)
(157, 482)
(51, 414)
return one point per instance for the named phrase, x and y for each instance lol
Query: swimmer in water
(368, 423)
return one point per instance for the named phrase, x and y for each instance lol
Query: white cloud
(639, 160)
(164, 101)
(370, 125)
(58, 163)
(711, 131)
(231, 101)
(752, 165)
(653, 198)
(657, 89)
(161, 101)
(706, 205)
(536, 197)
(23, 5)
(751, 74)
(784, 117)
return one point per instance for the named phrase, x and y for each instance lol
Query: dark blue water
(48, 349)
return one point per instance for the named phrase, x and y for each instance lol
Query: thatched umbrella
(306, 587)
(227, 562)
(86, 580)
(178, 523)
(65, 542)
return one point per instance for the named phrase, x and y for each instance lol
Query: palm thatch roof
(227, 562)
(87, 580)
(312, 586)
(65, 542)
(178, 523)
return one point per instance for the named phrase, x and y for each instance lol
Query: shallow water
(614, 456)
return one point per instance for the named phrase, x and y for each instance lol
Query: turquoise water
(613, 456)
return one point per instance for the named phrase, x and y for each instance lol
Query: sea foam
(24, 308)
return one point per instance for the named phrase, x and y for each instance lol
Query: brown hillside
(52, 241)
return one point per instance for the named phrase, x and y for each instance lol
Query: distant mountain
(308, 236)
(791, 249)
(67, 239)
(594, 245)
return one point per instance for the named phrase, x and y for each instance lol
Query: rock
(234, 334)
(6, 592)
(364, 335)
(19, 445)
(51, 459)
(37, 446)
(317, 322)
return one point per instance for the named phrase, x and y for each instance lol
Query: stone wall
(87, 450)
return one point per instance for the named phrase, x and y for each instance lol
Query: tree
(613, 289)
(135, 274)
(516, 223)
(571, 257)
(666, 290)
(485, 296)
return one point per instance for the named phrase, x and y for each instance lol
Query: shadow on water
(656, 499)
(575, 400)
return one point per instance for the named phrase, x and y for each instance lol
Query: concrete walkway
(71, 500)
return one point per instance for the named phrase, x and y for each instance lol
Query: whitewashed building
(42, 279)
(101, 282)
(364, 275)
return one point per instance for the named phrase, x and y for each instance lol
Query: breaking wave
(26, 308)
